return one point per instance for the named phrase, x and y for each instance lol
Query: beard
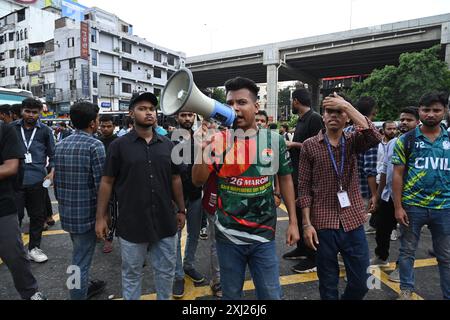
(430, 123)
(187, 126)
(144, 125)
(294, 110)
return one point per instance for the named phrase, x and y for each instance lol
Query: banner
(34, 67)
(84, 38)
(85, 92)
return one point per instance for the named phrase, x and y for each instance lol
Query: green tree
(395, 87)
(219, 95)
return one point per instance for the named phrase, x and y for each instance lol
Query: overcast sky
(205, 26)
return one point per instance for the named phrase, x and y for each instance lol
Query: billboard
(72, 10)
(34, 67)
(84, 39)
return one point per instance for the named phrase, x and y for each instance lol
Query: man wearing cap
(145, 179)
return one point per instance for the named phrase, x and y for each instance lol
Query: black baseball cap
(143, 96)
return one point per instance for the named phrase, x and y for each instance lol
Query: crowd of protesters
(339, 177)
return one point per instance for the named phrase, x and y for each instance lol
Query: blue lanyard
(333, 160)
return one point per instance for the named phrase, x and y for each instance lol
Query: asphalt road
(56, 244)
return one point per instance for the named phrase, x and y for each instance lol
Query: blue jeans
(162, 257)
(263, 264)
(83, 252)
(193, 224)
(355, 251)
(438, 222)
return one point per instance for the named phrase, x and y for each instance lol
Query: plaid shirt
(79, 161)
(318, 182)
(367, 167)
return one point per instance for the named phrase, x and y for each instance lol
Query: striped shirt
(79, 161)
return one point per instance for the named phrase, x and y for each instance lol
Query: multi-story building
(99, 59)
(23, 36)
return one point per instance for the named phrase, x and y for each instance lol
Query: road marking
(283, 207)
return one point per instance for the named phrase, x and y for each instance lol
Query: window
(26, 52)
(25, 34)
(21, 15)
(11, 53)
(126, 47)
(125, 28)
(21, 34)
(17, 36)
(73, 84)
(171, 60)
(94, 80)
(12, 71)
(126, 65)
(11, 36)
(18, 53)
(21, 53)
(157, 92)
(169, 74)
(157, 56)
(71, 42)
(157, 73)
(95, 99)
(72, 63)
(22, 71)
(1, 39)
(94, 57)
(126, 87)
(93, 35)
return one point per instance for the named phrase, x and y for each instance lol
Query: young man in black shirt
(12, 251)
(145, 180)
(309, 124)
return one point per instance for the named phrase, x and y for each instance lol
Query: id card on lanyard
(28, 157)
(344, 200)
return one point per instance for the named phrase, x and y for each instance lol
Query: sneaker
(203, 234)
(107, 247)
(405, 295)
(395, 276)
(38, 296)
(216, 290)
(178, 289)
(296, 254)
(376, 261)
(95, 287)
(394, 235)
(45, 228)
(50, 221)
(194, 275)
(370, 230)
(305, 266)
(37, 255)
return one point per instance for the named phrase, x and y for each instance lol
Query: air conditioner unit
(149, 76)
(57, 64)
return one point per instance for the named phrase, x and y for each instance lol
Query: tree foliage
(395, 87)
(219, 95)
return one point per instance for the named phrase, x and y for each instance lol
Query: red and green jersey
(246, 211)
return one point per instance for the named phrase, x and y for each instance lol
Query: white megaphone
(182, 95)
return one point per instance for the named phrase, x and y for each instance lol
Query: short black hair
(411, 110)
(264, 114)
(5, 109)
(82, 114)
(366, 105)
(284, 125)
(303, 96)
(15, 109)
(106, 118)
(32, 103)
(273, 126)
(387, 122)
(239, 83)
(434, 97)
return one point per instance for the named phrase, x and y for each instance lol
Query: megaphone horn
(182, 95)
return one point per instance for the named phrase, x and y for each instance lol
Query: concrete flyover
(358, 51)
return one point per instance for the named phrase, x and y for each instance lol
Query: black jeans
(301, 244)
(385, 224)
(14, 256)
(32, 198)
(48, 205)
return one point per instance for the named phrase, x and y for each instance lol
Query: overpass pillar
(445, 41)
(271, 59)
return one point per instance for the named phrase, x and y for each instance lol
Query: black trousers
(48, 205)
(385, 224)
(32, 198)
(301, 244)
(15, 257)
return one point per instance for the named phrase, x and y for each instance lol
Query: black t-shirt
(107, 140)
(143, 187)
(9, 149)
